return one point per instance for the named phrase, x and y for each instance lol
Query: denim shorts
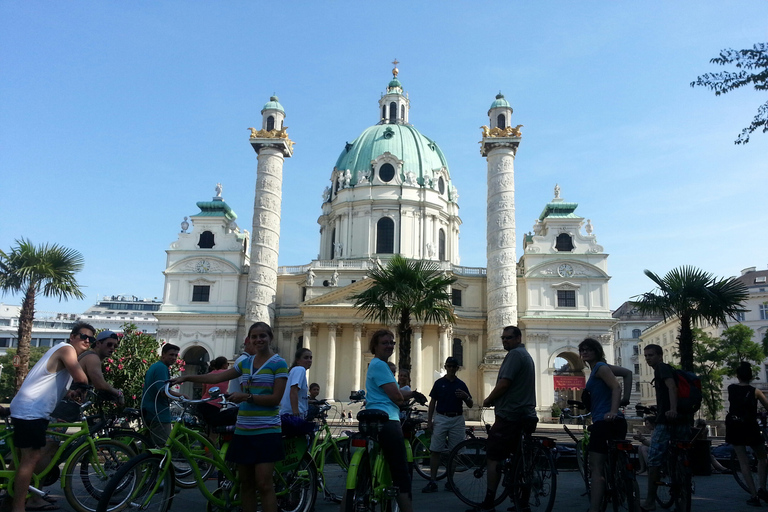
(662, 435)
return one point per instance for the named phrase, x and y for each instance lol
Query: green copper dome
(419, 154)
(394, 83)
(273, 104)
(500, 102)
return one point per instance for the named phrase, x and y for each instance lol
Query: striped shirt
(255, 419)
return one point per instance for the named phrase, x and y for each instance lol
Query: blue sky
(117, 117)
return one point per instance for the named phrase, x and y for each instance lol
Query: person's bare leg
(248, 498)
(654, 472)
(746, 471)
(265, 486)
(597, 485)
(404, 502)
(28, 460)
(434, 464)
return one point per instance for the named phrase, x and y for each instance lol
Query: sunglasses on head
(84, 336)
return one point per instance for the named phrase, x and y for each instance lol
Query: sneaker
(762, 494)
(754, 501)
(448, 486)
(431, 487)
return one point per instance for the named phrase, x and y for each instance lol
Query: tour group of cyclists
(265, 388)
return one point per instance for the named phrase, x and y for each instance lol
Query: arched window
(564, 242)
(270, 123)
(333, 243)
(384, 112)
(385, 236)
(206, 240)
(458, 351)
(402, 112)
(386, 173)
(501, 121)
(441, 245)
(392, 112)
(635, 333)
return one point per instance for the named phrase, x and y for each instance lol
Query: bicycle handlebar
(214, 392)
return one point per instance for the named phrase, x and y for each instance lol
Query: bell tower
(272, 146)
(394, 105)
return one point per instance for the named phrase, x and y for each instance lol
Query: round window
(441, 185)
(386, 173)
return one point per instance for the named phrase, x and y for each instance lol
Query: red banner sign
(569, 382)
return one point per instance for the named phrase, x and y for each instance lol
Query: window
(206, 240)
(637, 386)
(441, 185)
(392, 112)
(636, 350)
(456, 297)
(333, 243)
(636, 333)
(201, 293)
(637, 369)
(384, 112)
(385, 236)
(763, 311)
(566, 298)
(458, 351)
(501, 121)
(6, 342)
(270, 123)
(441, 245)
(386, 173)
(402, 112)
(564, 242)
(740, 317)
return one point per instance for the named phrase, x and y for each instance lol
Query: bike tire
(583, 464)
(136, 482)
(359, 497)
(135, 441)
(735, 467)
(333, 477)
(422, 459)
(625, 492)
(296, 489)
(534, 480)
(683, 490)
(664, 492)
(467, 473)
(182, 469)
(85, 475)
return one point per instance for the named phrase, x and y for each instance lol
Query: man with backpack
(672, 423)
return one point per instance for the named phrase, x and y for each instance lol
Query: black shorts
(29, 433)
(602, 431)
(504, 436)
(255, 449)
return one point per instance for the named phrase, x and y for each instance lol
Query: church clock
(565, 270)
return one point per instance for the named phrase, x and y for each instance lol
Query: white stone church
(391, 193)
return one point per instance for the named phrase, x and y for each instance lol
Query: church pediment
(568, 269)
(202, 265)
(339, 296)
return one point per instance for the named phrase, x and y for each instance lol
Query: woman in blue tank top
(608, 422)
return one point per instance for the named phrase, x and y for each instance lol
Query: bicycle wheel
(664, 494)
(467, 468)
(135, 441)
(735, 467)
(333, 477)
(297, 489)
(422, 459)
(142, 483)
(86, 474)
(625, 492)
(183, 472)
(583, 464)
(359, 498)
(682, 486)
(534, 480)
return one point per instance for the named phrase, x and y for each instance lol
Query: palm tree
(404, 290)
(694, 296)
(29, 270)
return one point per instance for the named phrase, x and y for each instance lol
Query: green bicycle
(328, 448)
(147, 481)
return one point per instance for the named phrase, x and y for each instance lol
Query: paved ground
(716, 493)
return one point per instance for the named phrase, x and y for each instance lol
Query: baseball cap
(103, 335)
(451, 360)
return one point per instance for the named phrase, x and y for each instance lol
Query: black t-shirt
(444, 393)
(662, 372)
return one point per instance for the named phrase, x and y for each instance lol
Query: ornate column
(357, 357)
(333, 328)
(309, 330)
(418, 332)
(272, 149)
(444, 349)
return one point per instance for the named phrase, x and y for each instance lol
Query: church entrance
(569, 379)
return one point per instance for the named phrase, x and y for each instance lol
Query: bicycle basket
(370, 421)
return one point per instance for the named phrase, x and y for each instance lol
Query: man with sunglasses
(45, 385)
(446, 417)
(90, 361)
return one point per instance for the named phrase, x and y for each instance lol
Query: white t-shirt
(297, 377)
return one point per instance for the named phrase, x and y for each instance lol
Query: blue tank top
(601, 394)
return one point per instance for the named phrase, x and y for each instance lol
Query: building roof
(418, 152)
(215, 208)
(628, 311)
(753, 278)
(273, 104)
(500, 102)
(562, 210)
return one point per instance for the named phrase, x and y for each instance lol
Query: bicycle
(88, 463)
(581, 443)
(528, 477)
(326, 447)
(369, 481)
(147, 481)
(675, 485)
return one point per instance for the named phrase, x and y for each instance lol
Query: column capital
(418, 328)
(334, 327)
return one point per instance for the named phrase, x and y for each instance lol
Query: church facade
(390, 192)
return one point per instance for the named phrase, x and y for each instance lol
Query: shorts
(29, 433)
(256, 449)
(446, 432)
(504, 436)
(662, 435)
(600, 432)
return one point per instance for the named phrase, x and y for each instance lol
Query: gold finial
(395, 71)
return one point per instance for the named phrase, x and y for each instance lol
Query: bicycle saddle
(370, 420)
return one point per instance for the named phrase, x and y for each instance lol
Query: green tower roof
(273, 104)
(215, 208)
(500, 102)
(561, 210)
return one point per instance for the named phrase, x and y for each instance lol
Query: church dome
(500, 102)
(419, 154)
(273, 104)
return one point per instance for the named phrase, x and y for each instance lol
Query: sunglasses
(111, 344)
(83, 336)
(505, 338)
